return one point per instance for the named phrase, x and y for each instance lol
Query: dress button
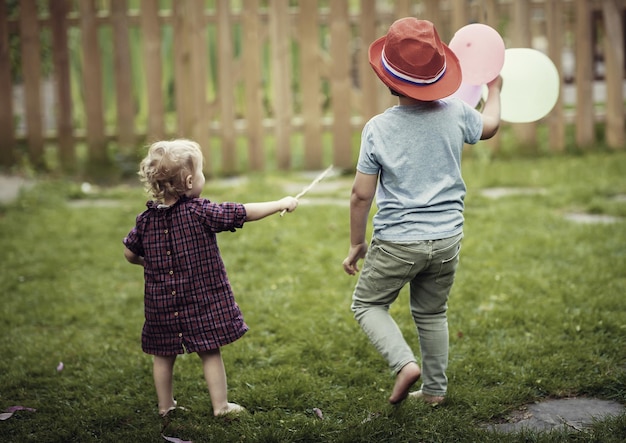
(171, 272)
(165, 231)
(175, 314)
(169, 252)
(173, 292)
(180, 334)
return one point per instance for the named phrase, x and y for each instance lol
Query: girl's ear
(189, 181)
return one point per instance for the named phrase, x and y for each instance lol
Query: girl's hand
(288, 204)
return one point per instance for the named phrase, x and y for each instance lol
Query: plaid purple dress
(188, 300)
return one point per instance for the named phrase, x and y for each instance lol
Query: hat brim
(444, 87)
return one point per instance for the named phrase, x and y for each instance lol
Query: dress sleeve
(133, 240)
(219, 217)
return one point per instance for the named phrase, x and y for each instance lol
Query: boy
(410, 158)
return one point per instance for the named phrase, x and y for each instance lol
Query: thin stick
(310, 186)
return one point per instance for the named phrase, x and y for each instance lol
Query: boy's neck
(408, 101)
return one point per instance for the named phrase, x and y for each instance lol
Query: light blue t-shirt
(416, 151)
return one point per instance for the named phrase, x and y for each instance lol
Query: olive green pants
(429, 268)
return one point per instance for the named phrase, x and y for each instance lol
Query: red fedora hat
(413, 61)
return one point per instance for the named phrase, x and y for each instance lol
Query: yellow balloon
(530, 85)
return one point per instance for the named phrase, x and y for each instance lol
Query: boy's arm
(132, 258)
(491, 111)
(257, 211)
(363, 191)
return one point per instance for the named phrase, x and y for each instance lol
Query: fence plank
(92, 84)
(7, 128)
(61, 59)
(460, 15)
(526, 132)
(308, 33)
(367, 79)
(340, 84)
(253, 83)
(491, 17)
(226, 87)
(555, 31)
(614, 62)
(190, 63)
(31, 71)
(123, 77)
(584, 77)
(151, 51)
(281, 80)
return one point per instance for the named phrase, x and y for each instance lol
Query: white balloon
(530, 85)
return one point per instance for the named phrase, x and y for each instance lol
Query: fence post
(226, 87)
(367, 78)
(526, 132)
(614, 62)
(92, 86)
(151, 51)
(123, 77)
(281, 80)
(584, 79)
(190, 62)
(341, 84)
(31, 71)
(253, 83)
(554, 31)
(308, 32)
(7, 128)
(61, 59)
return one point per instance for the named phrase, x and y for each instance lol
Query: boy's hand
(288, 204)
(497, 82)
(356, 253)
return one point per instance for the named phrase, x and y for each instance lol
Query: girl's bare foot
(406, 378)
(164, 411)
(430, 399)
(230, 408)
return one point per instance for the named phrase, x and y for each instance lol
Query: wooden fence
(261, 84)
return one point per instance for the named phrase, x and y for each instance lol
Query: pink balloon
(470, 94)
(480, 50)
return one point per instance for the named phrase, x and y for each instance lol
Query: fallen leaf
(175, 440)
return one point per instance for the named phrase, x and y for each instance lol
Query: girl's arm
(133, 258)
(257, 211)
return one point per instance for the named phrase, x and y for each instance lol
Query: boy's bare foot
(406, 378)
(430, 399)
(230, 408)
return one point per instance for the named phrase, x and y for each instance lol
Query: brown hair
(164, 170)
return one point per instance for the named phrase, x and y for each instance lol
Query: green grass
(537, 311)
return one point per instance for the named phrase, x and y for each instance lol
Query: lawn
(538, 311)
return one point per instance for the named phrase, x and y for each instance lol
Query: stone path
(569, 413)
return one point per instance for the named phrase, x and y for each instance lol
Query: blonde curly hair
(166, 166)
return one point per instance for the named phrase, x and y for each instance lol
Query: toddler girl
(188, 300)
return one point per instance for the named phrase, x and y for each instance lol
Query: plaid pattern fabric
(188, 300)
